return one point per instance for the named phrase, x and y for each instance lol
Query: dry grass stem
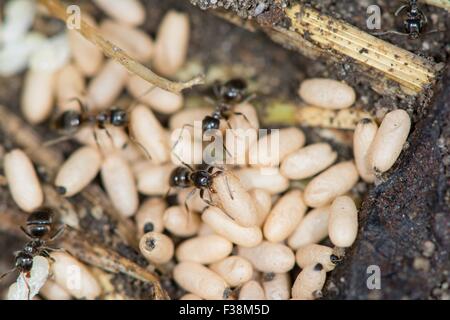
(57, 9)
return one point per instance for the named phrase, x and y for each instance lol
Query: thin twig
(57, 9)
(409, 70)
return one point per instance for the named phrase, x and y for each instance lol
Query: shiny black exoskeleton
(232, 91)
(185, 177)
(38, 227)
(415, 19)
(71, 121)
(227, 94)
(201, 178)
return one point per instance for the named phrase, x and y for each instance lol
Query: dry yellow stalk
(56, 8)
(323, 118)
(410, 71)
(286, 113)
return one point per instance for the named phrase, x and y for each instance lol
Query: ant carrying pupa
(38, 227)
(200, 177)
(228, 95)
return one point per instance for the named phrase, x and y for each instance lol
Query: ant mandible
(38, 227)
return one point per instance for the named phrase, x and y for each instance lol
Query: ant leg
(109, 136)
(183, 163)
(96, 139)
(44, 253)
(228, 187)
(207, 201)
(56, 141)
(401, 9)
(140, 146)
(48, 249)
(389, 32)
(189, 196)
(181, 134)
(146, 92)
(226, 150)
(26, 232)
(209, 100)
(244, 116)
(218, 173)
(80, 103)
(6, 273)
(58, 233)
(147, 154)
(425, 19)
(167, 193)
(249, 98)
(188, 210)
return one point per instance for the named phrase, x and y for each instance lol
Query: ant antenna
(6, 273)
(389, 32)
(183, 163)
(57, 141)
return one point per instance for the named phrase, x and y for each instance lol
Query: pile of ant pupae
(243, 227)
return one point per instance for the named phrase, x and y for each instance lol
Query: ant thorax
(102, 119)
(201, 179)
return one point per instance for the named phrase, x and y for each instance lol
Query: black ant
(228, 94)
(38, 226)
(414, 23)
(71, 121)
(200, 178)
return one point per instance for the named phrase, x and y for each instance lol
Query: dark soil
(399, 217)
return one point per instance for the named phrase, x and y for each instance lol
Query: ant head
(39, 222)
(68, 121)
(210, 123)
(233, 90)
(180, 177)
(24, 261)
(119, 117)
(202, 179)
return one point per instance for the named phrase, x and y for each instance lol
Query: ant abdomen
(68, 121)
(233, 90)
(40, 222)
(180, 178)
(210, 123)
